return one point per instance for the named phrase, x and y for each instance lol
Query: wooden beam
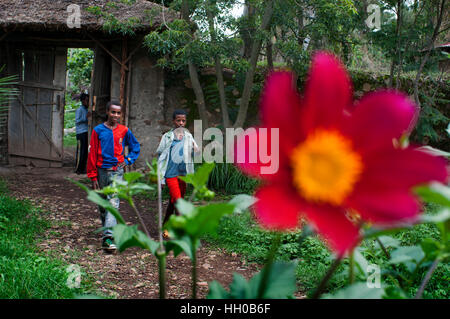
(134, 50)
(40, 86)
(107, 51)
(22, 154)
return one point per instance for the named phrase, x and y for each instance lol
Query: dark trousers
(82, 153)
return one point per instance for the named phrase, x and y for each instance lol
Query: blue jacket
(81, 120)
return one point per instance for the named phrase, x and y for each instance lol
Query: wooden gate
(36, 115)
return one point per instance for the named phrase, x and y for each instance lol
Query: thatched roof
(53, 14)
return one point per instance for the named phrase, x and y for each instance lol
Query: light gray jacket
(164, 149)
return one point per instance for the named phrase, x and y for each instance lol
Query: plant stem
(161, 255)
(191, 198)
(427, 279)
(161, 252)
(351, 274)
(383, 248)
(194, 274)
(326, 278)
(160, 230)
(140, 217)
(268, 266)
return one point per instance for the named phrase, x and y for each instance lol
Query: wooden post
(127, 104)
(123, 79)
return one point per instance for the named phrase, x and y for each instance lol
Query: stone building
(34, 38)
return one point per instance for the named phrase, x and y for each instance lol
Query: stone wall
(3, 114)
(146, 111)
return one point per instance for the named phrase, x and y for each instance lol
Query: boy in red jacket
(107, 160)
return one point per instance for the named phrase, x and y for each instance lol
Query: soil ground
(73, 237)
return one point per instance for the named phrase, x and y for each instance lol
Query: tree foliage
(208, 35)
(79, 64)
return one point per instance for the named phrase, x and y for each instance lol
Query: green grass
(69, 119)
(240, 234)
(24, 271)
(69, 122)
(70, 139)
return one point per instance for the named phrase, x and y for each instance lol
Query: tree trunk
(219, 75)
(301, 38)
(249, 30)
(427, 55)
(269, 52)
(394, 61)
(193, 73)
(399, 35)
(248, 86)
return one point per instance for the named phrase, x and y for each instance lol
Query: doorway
(80, 62)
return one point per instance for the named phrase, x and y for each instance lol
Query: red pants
(177, 188)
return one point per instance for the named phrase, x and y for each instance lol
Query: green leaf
(129, 236)
(216, 291)
(431, 248)
(435, 151)
(185, 207)
(106, 204)
(403, 255)
(360, 261)
(200, 177)
(207, 218)
(184, 243)
(131, 177)
(139, 188)
(242, 202)
(435, 193)
(441, 217)
(389, 241)
(358, 290)
(239, 287)
(94, 197)
(281, 282)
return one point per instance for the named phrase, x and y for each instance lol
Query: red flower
(336, 158)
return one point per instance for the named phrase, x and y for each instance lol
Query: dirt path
(131, 274)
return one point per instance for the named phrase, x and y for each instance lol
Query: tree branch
(248, 86)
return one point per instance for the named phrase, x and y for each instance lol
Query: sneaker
(108, 244)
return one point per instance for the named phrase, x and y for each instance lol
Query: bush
(241, 234)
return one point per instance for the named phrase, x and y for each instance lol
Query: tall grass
(226, 178)
(24, 271)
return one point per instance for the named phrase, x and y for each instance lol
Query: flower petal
(378, 118)
(280, 101)
(386, 208)
(276, 208)
(400, 169)
(327, 93)
(257, 154)
(332, 224)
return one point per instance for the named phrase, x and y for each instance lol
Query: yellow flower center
(325, 167)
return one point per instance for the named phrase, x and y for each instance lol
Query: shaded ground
(131, 274)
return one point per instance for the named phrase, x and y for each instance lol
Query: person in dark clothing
(81, 126)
